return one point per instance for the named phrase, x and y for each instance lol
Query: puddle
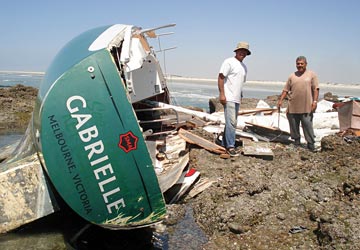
(186, 234)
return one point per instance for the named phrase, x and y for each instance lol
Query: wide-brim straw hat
(243, 45)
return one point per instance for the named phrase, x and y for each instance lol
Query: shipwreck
(96, 140)
(105, 139)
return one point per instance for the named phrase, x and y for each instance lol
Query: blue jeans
(231, 110)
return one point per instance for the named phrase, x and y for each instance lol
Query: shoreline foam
(207, 81)
(21, 72)
(255, 82)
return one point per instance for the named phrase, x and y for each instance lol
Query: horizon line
(189, 78)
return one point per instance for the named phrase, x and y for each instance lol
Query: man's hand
(222, 99)
(313, 107)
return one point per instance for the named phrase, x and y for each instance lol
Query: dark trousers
(307, 126)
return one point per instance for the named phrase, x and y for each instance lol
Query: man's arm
(222, 97)
(283, 94)
(315, 99)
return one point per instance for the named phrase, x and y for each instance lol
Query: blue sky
(325, 31)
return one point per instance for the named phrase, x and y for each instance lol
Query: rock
(215, 105)
(328, 96)
(174, 213)
(16, 106)
(281, 216)
(238, 229)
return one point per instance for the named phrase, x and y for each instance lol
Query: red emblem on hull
(128, 142)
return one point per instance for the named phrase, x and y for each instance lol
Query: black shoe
(219, 139)
(232, 152)
(238, 150)
(297, 142)
(311, 146)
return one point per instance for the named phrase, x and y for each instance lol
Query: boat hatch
(138, 65)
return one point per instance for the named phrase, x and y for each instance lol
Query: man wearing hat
(231, 79)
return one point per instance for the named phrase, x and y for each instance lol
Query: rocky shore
(16, 106)
(298, 200)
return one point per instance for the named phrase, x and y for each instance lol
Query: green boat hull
(90, 142)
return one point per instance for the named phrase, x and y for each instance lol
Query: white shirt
(235, 76)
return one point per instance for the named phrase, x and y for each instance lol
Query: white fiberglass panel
(107, 36)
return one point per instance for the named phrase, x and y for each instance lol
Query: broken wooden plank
(200, 186)
(256, 110)
(176, 158)
(225, 156)
(170, 176)
(257, 149)
(196, 122)
(195, 139)
(185, 182)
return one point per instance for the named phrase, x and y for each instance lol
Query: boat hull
(92, 147)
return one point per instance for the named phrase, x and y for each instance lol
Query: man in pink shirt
(302, 89)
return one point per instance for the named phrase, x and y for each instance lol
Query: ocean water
(182, 93)
(198, 94)
(195, 93)
(9, 138)
(32, 79)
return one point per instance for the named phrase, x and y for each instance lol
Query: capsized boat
(87, 132)
(89, 127)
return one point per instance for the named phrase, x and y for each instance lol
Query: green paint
(82, 118)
